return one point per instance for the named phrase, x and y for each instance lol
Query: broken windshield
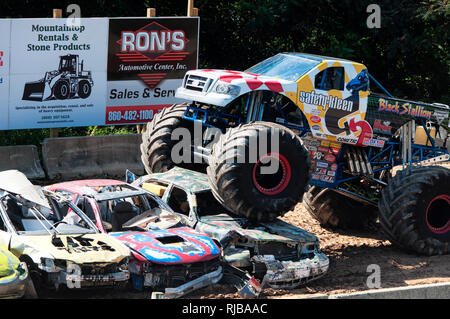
(29, 218)
(284, 66)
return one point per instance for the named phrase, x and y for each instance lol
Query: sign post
(57, 13)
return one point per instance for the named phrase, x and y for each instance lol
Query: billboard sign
(101, 72)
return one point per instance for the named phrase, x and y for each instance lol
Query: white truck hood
(200, 85)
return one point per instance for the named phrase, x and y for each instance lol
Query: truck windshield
(284, 66)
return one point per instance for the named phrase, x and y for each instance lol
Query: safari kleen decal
(326, 101)
(338, 115)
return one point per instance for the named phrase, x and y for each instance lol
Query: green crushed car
(278, 254)
(13, 275)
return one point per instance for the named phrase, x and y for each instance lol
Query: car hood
(77, 248)
(170, 246)
(8, 262)
(223, 225)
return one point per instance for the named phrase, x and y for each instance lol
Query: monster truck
(298, 122)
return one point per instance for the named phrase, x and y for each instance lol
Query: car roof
(191, 181)
(85, 186)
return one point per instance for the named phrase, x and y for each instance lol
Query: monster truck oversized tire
(156, 143)
(236, 175)
(415, 209)
(334, 210)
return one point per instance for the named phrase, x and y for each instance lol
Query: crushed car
(13, 275)
(280, 255)
(173, 258)
(58, 242)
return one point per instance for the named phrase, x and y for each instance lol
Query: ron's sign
(104, 71)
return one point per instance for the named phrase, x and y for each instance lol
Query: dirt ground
(350, 253)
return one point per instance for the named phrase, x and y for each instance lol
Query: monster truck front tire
(415, 209)
(237, 177)
(335, 210)
(156, 143)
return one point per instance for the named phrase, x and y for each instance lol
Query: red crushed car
(178, 258)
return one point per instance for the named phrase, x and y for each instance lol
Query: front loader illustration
(69, 81)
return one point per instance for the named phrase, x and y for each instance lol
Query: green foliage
(409, 54)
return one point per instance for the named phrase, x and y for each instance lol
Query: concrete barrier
(24, 158)
(92, 156)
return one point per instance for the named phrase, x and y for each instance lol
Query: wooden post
(57, 13)
(151, 12)
(191, 11)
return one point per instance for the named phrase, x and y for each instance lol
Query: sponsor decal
(1, 55)
(337, 145)
(320, 135)
(382, 127)
(323, 149)
(331, 138)
(364, 127)
(375, 142)
(346, 139)
(316, 155)
(440, 116)
(330, 158)
(322, 164)
(320, 171)
(326, 101)
(331, 173)
(335, 150)
(312, 142)
(325, 143)
(333, 167)
(403, 109)
(315, 119)
(315, 177)
(1, 80)
(316, 127)
(326, 178)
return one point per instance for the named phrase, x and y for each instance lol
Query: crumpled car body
(178, 260)
(35, 225)
(13, 275)
(279, 254)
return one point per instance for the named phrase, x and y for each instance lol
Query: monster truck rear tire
(415, 209)
(156, 143)
(335, 210)
(235, 173)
